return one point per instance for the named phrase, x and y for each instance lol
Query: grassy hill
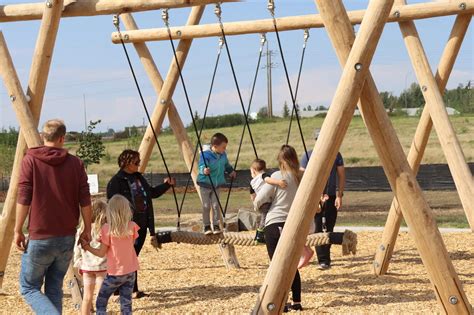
(357, 148)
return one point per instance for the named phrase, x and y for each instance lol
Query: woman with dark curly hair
(131, 184)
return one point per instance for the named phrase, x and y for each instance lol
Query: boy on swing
(213, 165)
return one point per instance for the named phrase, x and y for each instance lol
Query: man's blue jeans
(45, 261)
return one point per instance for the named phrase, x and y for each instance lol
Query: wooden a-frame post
(415, 208)
(36, 88)
(444, 129)
(385, 250)
(274, 291)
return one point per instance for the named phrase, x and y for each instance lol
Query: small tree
(91, 149)
(286, 110)
(262, 113)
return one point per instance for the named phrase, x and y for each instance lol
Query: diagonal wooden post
(384, 251)
(154, 75)
(164, 99)
(36, 87)
(274, 291)
(17, 96)
(444, 129)
(416, 211)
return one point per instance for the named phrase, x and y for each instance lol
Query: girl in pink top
(116, 241)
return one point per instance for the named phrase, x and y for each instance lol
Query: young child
(92, 268)
(116, 241)
(259, 178)
(213, 164)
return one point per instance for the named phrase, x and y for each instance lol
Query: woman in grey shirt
(281, 200)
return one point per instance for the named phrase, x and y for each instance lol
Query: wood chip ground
(183, 278)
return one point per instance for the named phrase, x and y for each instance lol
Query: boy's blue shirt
(218, 164)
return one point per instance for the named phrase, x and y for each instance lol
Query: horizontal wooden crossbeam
(34, 11)
(398, 13)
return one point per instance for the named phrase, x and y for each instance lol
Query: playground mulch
(183, 278)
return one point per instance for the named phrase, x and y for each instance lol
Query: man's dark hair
(218, 139)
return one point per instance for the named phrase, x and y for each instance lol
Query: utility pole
(85, 113)
(269, 67)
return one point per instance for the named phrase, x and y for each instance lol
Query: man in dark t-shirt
(330, 204)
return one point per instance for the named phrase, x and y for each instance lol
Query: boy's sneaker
(292, 307)
(305, 257)
(260, 236)
(217, 229)
(324, 266)
(207, 230)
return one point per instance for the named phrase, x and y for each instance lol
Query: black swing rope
(262, 43)
(221, 42)
(271, 8)
(218, 12)
(116, 22)
(165, 18)
(306, 36)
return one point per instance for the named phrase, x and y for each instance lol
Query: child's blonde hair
(119, 215)
(99, 217)
(289, 163)
(99, 207)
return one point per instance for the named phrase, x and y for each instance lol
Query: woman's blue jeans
(45, 261)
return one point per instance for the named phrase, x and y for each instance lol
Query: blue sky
(85, 62)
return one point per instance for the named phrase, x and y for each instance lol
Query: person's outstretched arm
(341, 174)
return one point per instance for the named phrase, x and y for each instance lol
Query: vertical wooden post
(415, 208)
(384, 251)
(273, 292)
(154, 75)
(36, 87)
(444, 129)
(17, 96)
(167, 90)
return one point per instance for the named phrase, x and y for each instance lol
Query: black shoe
(207, 230)
(260, 236)
(292, 307)
(217, 229)
(324, 266)
(139, 295)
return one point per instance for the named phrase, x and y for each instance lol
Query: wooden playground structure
(356, 88)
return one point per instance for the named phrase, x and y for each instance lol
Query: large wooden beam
(36, 87)
(389, 237)
(156, 79)
(415, 208)
(398, 13)
(274, 291)
(17, 96)
(444, 129)
(34, 11)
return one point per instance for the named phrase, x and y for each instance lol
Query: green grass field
(361, 208)
(357, 148)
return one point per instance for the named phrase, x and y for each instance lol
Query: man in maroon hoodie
(52, 188)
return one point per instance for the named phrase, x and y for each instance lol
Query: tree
(309, 108)
(286, 110)
(262, 113)
(91, 149)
